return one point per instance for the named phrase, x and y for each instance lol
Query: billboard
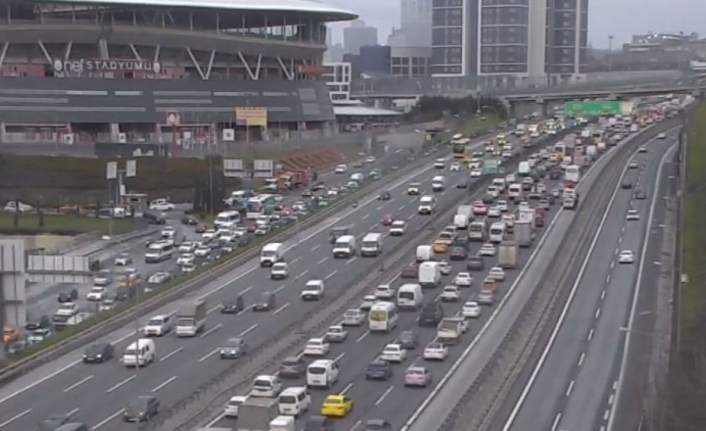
(593, 107)
(263, 168)
(251, 116)
(491, 167)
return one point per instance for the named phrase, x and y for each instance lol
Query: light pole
(610, 53)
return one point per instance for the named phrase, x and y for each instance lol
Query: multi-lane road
(96, 394)
(572, 384)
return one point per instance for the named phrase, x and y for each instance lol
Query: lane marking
(384, 395)
(612, 264)
(555, 424)
(73, 412)
(339, 357)
(603, 295)
(211, 331)
(598, 313)
(589, 337)
(279, 289)
(570, 388)
(351, 260)
(280, 309)
(620, 240)
(249, 330)
(366, 216)
(121, 384)
(295, 260)
(582, 358)
(316, 247)
(401, 208)
(212, 309)
(165, 383)
(305, 272)
(322, 261)
(362, 337)
(108, 419)
(14, 418)
(208, 355)
(356, 425)
(611, 398)
(331, 275)
(606, 415)
(79, 383)
(607, 279)
(347, 388)
(170, 354)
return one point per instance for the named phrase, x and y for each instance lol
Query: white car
(493, 191)
(370, 159)
(497, 273)
(353, 317)
(187, 247)
(341, 169)
(632, 215)
(158, 326)
(502, 205)
(475, 173)
(506, 154)
(626, 256)
(632, 165)
(479, 208)
(67, 309)
(494, 212)
(662, 136)
(439, 164)
(642, 149)
(487, 249)
(317, 347)
(398, 228)
(14, 206)
(161, 205)
(279, 271)
(471, 309)
(208, 234)
(97, 293)
(332, 192)
(231, 410)
(393, 353)
(202, 251)
(185, 259)
(455, 167)
(510, 178)
(313, 290)
(123, 259)
(384, 291)
(435, 351)
(444, 267)
(368, 302)
(168, 232)
(450, 294)
(336, 334)
(463, 279)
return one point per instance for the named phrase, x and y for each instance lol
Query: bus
(460, 147)
(598, 136)
(572, 174)
(559, 150)
(382, 317)
(260, 205)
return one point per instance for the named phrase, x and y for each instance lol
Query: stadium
(161, 70)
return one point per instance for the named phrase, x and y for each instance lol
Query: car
(431, 315)
(313, 290)
(370, 159)
(410, 271)
(627, 184)
(455, 167)
(417, 376)
(487, 249)
(463, 184)
(67, 309)
(502, 205)
(279, 271)
(185, 259)
(385, 196)
(398, 228)
(187, 247)
(435, 351)
(632, 165)
(662, 135)
(388, 220)
(97, 293)
(640, 194)
(470, 309)
(377, 425)
(408, 339)
(158, 326)
(494, 212)
(414, 189)
(16, 206)
(336, 405)
(444, 267)
(161, 205)
(341, 169)
(233, 306)
(475, 173)
(475, 263)
(463, 279)
(336, 334)
(545, 203)
(38, 323)
(233, 348)
(497, 273)
(141, 409)
(123, 259)
(103, 278)
(450, 294)
(479, 208)
(368, 302)
(316, 347)
(393, 352)
(266, 302)
(168, 232)
(38, 335)
(292, 367)
(626, 256)
(353, 317)
(54, 422)
(202, 250)
(233, 404)
(439, 164)
(67, 296)
(642, 149)
(378, 370)
(384, 292)
(632, 215)
(458, 253)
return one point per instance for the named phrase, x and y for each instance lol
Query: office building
(338, 78)
(358, 35)
(410, 62)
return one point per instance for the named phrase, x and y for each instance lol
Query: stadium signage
(100, 65)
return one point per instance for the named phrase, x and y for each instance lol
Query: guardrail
(190, 412)
(171, 293)
(478, 406)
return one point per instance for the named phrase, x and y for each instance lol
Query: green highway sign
(491, 167)
(593, 107)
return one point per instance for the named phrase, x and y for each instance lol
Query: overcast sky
(619, 18)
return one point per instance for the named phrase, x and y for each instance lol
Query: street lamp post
(610, 53)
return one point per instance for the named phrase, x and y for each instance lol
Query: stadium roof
(295, 6)
(364, 111)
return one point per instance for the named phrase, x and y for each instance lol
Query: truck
(429, 274)
(570, 143)
(191, 318)
(524, 232)
(570, 199)
(282, 423)
(507, 254)
(526, 215)
(256, 413)
(424, 253)
(449, 330)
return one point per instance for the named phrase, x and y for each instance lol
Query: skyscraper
(357, 35)
(415, 24)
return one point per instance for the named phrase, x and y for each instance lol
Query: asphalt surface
(95, 394)
(574, 385)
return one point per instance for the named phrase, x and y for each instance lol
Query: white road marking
(280, 309)
(401, 208)
(14, 418)
(555, 424)
(603, 295)
(212, 309)
(322, 261)
(165, 383)
(316, 247)
(73, 412)
(347, 388)
(170, 354)
(295, 260)
(582, 358)
(365, 334)
(384, 395)
(611, 398)
(339, 357)
(331, 275)
(208, 355)
(590, 335)
(79, 383)
(249, 330)
(598, 313)
(211, 331)
(108, 419)
(366, 216)
(570, 388)
(279, 289)
(356, 425)
(121, 384)
(351, 260)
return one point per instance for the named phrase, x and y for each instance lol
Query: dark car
(320, 186)
(554, 175)
(41, 323)
(292, 367)
(68, 296)
(378, 370)
(154, 217)
(463, 184)
(98, 353)
(377, 425)
(385, 196)
(233, 348)
(626, 185)
(458, 253)
(526, 187)
(336, 233)
(141, 409)
(53, 422)
(189, 220)
(266, 302)
(409, 340)
(319, 423)
(475, 263)
(410, 271)
(640, 194)
(233, 306)
(431, 315)
(488, 199)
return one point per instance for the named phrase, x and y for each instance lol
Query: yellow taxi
(336, 405)
(440, 246)
(10, 334)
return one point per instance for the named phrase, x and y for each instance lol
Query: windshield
(130, 351)
(476, 227)
(155, 322)
(378, 315)
(287, 399)
(332, 401)
(496, 231)
(268, 253)
(262, 383)
(406, 295)
(370, 244)
(317, 370)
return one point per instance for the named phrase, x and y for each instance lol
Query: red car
(387, 220)
(411, 271)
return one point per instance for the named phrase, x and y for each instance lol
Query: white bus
(572, 174)
(382, 317)
(227, 219)
(260, 205)
(159, 251)
(497, 232)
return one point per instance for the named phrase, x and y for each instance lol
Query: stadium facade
(130, 70)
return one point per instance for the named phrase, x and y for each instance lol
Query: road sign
(111, 170)
(131, 168)
(263, 169)
(593, 107)
(233, 168)
(491, 167)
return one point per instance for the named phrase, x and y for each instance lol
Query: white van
(438, 183)
(294, 401)
(410, 297)
(344, 247)
(139, 353)
(159, 251)
(524, 168)
(322, 373)
(371, 245)
(266, 386)
(227, 219)
(429, 274)
(427, 204)
(500, 184)
(357, 177)
(425, 253)
(514, 190)
(497, 232)
(271, 253)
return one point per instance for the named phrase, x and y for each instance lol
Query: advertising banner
(251, 116)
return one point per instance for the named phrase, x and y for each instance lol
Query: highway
(95, 394)
(571, 386)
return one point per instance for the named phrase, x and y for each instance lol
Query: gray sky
(619, 18)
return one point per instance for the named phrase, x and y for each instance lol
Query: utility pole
(610, 53)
